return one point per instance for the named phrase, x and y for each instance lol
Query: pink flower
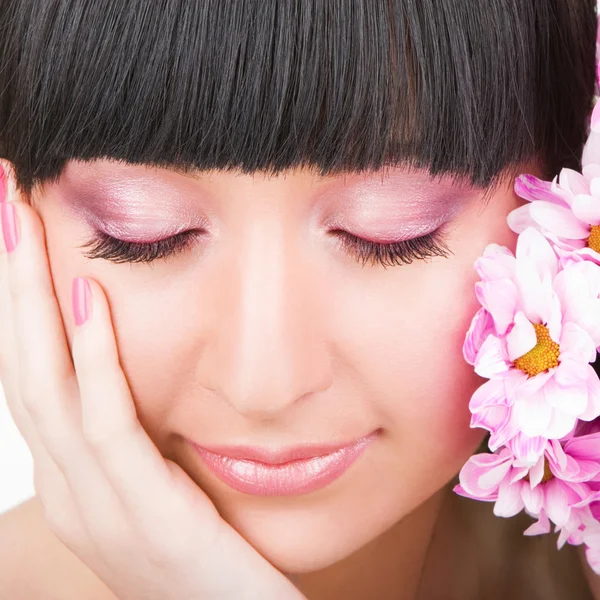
(592, 551)
(567, 209)
(589, 534)
(555, 489)
(534, 339)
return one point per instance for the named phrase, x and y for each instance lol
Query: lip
(282, 472)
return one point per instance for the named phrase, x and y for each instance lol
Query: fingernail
(10, 232)
(3, 186)
(81, 296)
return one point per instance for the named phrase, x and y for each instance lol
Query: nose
(268, 347)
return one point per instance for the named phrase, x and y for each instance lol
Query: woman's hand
(135, 518)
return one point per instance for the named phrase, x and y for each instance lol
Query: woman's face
(266, 331)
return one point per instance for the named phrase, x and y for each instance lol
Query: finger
(7, 362)
(132, 463)
(47, 399)
(49, 483)
(45, 368)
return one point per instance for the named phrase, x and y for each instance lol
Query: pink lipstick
(288, 472)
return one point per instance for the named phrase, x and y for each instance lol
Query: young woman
(236, 276)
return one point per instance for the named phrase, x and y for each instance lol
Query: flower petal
(531, 385)
(540, 527)
(592, 555)
(533, 415)
(593, 386)
(570, 373)
(533, 498)
(561, 424)
(532, 188)
(573, 182)
(476, 469)
(587, 209)
(536, 474)
(497, 262)
(595, 118)
(492, 478)
(577, 343)
(536, 301)
(509, 502)
(503, 433)
(591, 170)
(490, 393)
(481, 326)
(500, 298)
(527, 452)
(520, 219)
(522, 337)
(533, 246)
(492, 360)
(560, 220)
(591, 150)
(557, 504)
(578, 288)
(458, 489)
(572, 401)
(594, 188)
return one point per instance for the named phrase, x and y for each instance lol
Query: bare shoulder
(35, 565)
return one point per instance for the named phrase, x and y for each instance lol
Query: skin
(266, 333)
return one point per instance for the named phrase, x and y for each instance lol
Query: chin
(303, 537)
(303, 542)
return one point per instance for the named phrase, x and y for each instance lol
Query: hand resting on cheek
(135, 518)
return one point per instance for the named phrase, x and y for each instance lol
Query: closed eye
(364, 251)
(395, 253)
(115, 250)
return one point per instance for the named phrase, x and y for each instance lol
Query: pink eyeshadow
(406, 205)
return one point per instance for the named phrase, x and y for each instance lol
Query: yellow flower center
(593, 241)
(543, 356)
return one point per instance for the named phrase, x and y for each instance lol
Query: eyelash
(120, 251)
(394, 254)
(364, 251)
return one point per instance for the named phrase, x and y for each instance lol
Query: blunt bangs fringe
(456, 86)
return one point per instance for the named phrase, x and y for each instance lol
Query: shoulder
(34, 564)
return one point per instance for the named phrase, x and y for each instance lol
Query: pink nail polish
(3, 186)
(10, 232)
(81, 296)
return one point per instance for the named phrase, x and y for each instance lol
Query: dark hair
(456, 86)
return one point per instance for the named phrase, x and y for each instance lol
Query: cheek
(153, 351)
(157, 352)
(406, 341)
